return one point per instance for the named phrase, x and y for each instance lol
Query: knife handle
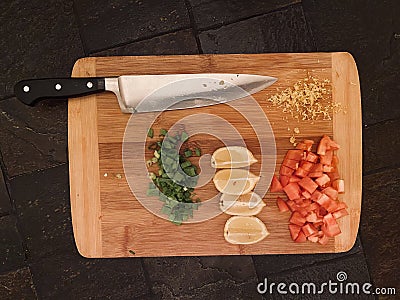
(32, 90)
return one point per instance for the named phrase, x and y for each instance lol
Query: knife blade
(145, 93)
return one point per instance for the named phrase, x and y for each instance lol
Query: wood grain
(109, 221)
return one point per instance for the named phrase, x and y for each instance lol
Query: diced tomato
(312, 157)
(317, 168)
(307, 166)
(331, 192)
(313, 239)
(311, 217)
(282, 205)
(309, 229)
(309, 144)
(294, 231)
(332, 206)
(338, 185)
(323, 180)
(333, 145)
(314, 206)
(324, 145)
(284, 180)
(306, 194)
(292, 190)
(330, 227)
(302, 210)
(301, 146)
(334, 175)
(315, 174)
(300, 172)
(297, 219)
(315, 196)
(294, 179)
(324, 200)
(295, 154)
(276, 186)
(335, 161)
(328, 169)
(301, 238)
(321, 212)
(327, 158)
(323, 240)
(306, 203)
(285, 171)
(341, 205)
(308, 184)
(290, 163)
(291, 204)
(298, 201)
(340, 213)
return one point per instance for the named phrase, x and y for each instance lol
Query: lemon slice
(244, 230)
(235, 181)
(232, 157)
(249, 204)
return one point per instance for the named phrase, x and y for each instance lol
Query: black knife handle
(31, 90)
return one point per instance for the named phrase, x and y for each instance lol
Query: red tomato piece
(324, 200)
(331, 192)
(282, 205)
(296, 154)
(327, 158)
(309, 144)
(321, 212)
(314, 206)
(297, 219)
(307, 166)
(300, 172)
(276, 186)
(294, 231)
(323, 180)
(333, 145)
(306, 194)
(330, 227)
(312, 157)
(323, 240)
(301, 146)
(290, 163)
(292, 190)
(319, 223)
(291, 204)
(317, 168)
(341, 205)
(324, 145)
(328, 169)
(294, 179)
(308, 184)
(313, 239)
(338, 185)
(309, 229)
(340, 213)
(285, 171)
(332, 206)
(284, 180)
(315, 196)
(301, 238)
(311, 217)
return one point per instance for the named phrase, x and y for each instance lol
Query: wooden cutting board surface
(108, 220)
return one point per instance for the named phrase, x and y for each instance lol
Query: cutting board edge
(347, 92)
(86, 228)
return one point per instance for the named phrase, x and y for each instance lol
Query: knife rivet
(26, 88)
(89, 84)
(58, 86)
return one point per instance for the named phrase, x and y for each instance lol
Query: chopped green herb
(132, 252)
(197, 151)
(188, 153)
(150, 133)
(169, 183)
(163, 132)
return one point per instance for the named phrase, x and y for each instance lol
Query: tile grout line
(381, 170)
(14, 210)
(309, 27)
(147, 277)
(80, 28)
(149, 37)
(193, 24)
(218, 26)
(383, 122)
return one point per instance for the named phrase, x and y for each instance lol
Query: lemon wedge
(232, 157)
(249, 204)
(244, 230)
(235, 181)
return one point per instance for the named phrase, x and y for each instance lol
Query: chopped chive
(188, 153)
(197, 151)
(132, 252)
(150, 133)
(163, 132)
(186, 164)
(184, 136)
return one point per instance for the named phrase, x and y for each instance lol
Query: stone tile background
(38, 258)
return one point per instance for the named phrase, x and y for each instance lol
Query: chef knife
(144, 93)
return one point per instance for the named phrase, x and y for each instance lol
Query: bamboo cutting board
(108, 220)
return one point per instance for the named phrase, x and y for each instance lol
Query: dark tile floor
(38, 258)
